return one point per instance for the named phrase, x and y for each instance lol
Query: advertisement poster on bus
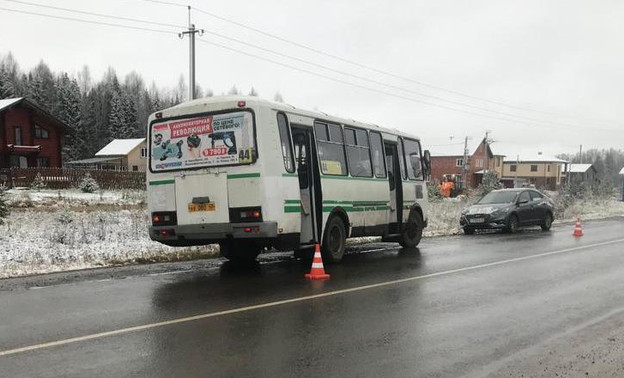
(205, 141)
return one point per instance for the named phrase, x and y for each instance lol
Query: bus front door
(395, 209)
(309, 181)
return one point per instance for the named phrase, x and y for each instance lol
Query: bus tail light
(246, 214)
(241, 104)
(164, 218)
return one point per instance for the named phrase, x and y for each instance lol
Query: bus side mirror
(417, 165)
(427, 163)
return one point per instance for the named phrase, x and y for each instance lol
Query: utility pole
(581, 155)
(191, 33)
(485, 152)
(465, 164)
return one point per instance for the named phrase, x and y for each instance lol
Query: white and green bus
(250, 174)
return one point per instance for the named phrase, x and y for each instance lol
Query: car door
(524, 208)
(539, 206)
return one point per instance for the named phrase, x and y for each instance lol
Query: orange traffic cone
(578, 231)
(318, 271)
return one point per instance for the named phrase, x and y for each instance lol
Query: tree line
(99, 112)
(607, 162)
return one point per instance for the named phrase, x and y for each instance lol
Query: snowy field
(51, 231)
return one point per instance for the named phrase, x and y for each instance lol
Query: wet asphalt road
(462, 306)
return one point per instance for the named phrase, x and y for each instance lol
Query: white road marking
(294, 300)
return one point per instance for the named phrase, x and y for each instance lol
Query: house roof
(535, 159)
(622, 171)
(120, 147)
(8, 103)
(577, 168)
(94, 160)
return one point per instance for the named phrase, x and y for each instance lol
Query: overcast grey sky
(562, 58)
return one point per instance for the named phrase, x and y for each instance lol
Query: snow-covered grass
(51, 230)
(73, 197)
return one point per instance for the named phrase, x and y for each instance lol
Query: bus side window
(401, 159)
(358, 155)
(413, 160)
(379, 163)
(284, 133)
(331, 151)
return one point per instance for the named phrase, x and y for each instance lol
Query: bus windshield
(201, 141)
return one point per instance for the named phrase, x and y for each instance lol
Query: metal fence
(65, 178)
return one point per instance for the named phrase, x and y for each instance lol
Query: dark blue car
(508, 210)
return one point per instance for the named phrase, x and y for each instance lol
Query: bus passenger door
(304, 160)
(395, 210)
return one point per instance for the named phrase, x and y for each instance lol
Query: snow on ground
(48, 197)
(53, 230)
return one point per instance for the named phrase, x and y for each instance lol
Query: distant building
(29, 135)
(543, 172)
(120, 155)
(581, 172)
(449, 160)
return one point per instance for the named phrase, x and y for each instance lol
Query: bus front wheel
(239, 251)
(411, 232)
(334, 240)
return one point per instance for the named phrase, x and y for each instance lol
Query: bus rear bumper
(193, 234)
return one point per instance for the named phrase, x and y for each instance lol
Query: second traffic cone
(318, 271)
(578, 230)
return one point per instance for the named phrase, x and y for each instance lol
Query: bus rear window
(202, 141)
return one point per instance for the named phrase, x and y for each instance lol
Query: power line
(166, 3)
(88, 21)
(384, 72)
(367, 88)
(93, 13)
(395, 87)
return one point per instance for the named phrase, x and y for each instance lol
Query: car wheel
(512, 224)
(239, 252)
(469, 230)
(334, 240)
(411, 231)
(548, 220)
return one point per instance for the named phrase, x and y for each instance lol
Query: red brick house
(449, 160)
(29, 135)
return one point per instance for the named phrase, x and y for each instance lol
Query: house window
(534, 168)
(18, 135)
(135, 168)
(18, 161)
(498, 162)
(513, 168)
(143, 152)
(479, 163)
(459, 162)
(43, 161)
(548, 167)
(41, 133)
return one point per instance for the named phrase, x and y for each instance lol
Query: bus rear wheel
(411, 232)
(239, 252)
(334, 240)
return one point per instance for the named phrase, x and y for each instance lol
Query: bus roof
(286, 108)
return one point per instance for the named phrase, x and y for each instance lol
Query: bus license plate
(192, 207)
